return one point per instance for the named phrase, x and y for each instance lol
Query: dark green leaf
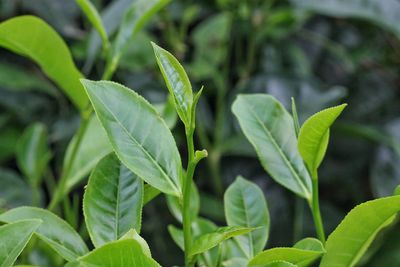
(113, 201)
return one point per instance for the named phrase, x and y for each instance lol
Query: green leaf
(121, 253)
(94, 17)
(350, 240)
(383, 13)
(177, 236)
(212, 239)
(138, 14)
(314, 136)
(235, 262)
(269, 128)
(139, 136)
(245, 205)
(54, 231)
(13, 239)
(132, 234)
(33, 38)
(302, 253)
(280, 264)
(33, 153)
(177, 82)
(112, 202)
(93, 147)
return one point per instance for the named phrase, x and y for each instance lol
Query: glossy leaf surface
(314, 136)
(112, 202)
(13, 239)
(270, 129)
(212, 239)
(245, 206)
(31, 37)
(54, 231)
(350, 240)
(121, 253)
(302, 253)
(139, 136)
(177, 82)
(33, 153)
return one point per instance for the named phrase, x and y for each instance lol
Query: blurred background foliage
(321, 52)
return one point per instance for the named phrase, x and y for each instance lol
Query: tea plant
(134, 157)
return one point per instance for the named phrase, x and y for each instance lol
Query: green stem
(298, 219)
(60, 190)
(187, 185)
(316, 213)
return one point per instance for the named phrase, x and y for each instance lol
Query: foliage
(159, 163)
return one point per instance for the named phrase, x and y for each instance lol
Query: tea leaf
(94, 17)
(314, 136)
(93, 147)
(177, 83)
(33, 153)
(139, 136)
(54, 231)
(31, 37)
(270, 129)
(13, 239)
(112, 202)
(149, 193)
(212, 239)
(245, 206)
(121, 253)
(132, 234)
(302, 253)
(350, 240)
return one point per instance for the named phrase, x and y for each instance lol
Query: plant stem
(314, 205)
(187, 185)
(60, 190)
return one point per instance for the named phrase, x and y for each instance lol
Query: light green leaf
(350, 240)
(139, 136)
(269, 128)
(302, 253)
(93, 147)
(177, 236)
(177, 82)
(212, 239)
(121, 253)
(383, 13)
(31, 37)
(132, 234)
(33, 153)
(235, 262)
(245, 205)
(94, 17)
(54, 231)
(13, 239)
(314, 136)
(280, 264)
(138, 14)
(112, 202)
